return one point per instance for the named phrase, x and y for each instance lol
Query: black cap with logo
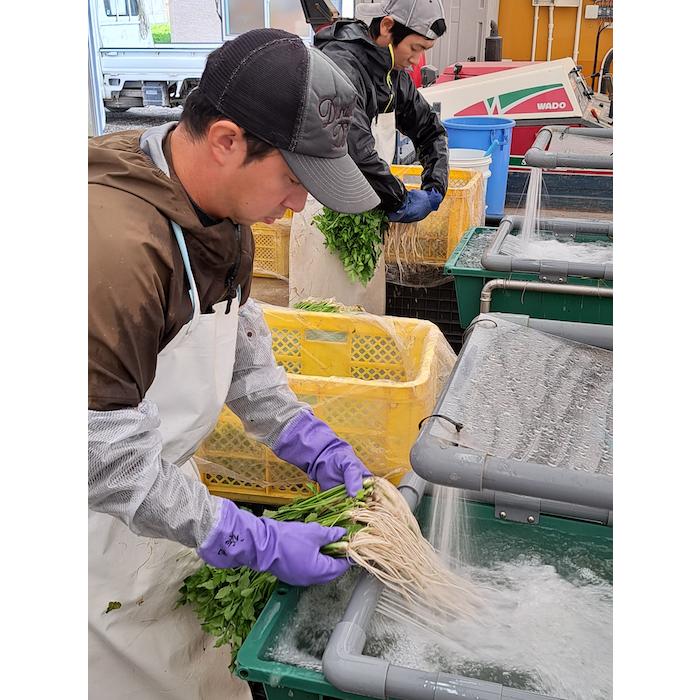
(293, 97)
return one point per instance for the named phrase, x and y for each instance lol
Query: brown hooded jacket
(138, 294)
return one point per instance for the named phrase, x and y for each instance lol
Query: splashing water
(533, 204)
(544, 623)
(535, 243)
(569, 250)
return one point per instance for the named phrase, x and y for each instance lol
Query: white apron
(316, 272)
(146, 649)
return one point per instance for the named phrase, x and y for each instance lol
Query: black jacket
(349, 45)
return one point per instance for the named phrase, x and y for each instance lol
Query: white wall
(468, 24)
(194, 21)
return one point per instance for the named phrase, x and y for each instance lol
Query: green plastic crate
(281, 681)
(558, 307)
(558, 542)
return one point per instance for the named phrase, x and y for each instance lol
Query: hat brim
(335, 182)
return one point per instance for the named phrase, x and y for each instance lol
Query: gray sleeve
(260, 395)
(127, 478)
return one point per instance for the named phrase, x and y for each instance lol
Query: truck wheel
(118, 110)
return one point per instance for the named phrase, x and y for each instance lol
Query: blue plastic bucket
(494, 136)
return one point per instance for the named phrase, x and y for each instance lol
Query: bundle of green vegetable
(383, 537)
(228, 601)
(330, 306)
(355, 238)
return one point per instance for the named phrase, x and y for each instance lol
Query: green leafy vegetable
(355, 238)
(330, 306)
(228, 601)
(313, 305)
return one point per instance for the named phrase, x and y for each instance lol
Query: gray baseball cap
(293, 97)
(418, 15)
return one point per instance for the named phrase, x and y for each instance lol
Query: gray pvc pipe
(442, 463)
(349, 670)
(552, 483)
(546, 287)
(547, 507)
(555, 508)
(566, 225)
(492, 259)
(538, 157)
(590, 333)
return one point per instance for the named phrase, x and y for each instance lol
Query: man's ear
(226, 141)
(385, 27)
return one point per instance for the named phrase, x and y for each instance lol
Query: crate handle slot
(325, 336)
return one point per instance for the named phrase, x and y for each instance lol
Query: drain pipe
(538, 157)
(536, 22)
(577, 37)
(577, 289)
(550, 35)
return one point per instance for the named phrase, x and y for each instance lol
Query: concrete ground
(270, 291)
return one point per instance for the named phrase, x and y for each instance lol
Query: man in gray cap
(173, 336)
(374, 53)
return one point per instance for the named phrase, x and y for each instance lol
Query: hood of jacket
(116, 160)
(220, 251)
(354, 34)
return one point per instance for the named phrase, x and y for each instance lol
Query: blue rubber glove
(288, 550)
(435, 198)
(417, 205)
(311, 445)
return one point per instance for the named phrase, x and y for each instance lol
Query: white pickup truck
(137, 72)
(159, 76)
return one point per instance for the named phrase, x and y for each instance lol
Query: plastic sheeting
(416, 253)
(371, 378)
(527, 395)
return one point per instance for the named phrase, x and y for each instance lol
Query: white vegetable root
(392, 548)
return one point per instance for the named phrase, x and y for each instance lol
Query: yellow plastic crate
(432, 240)
(272, 247)
(372, 379)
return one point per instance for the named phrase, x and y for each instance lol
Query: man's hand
(288, 550)
(417, 205)
(311, 445)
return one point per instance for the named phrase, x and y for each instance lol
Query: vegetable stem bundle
(330, 306)
(355, 238)
(383, 537)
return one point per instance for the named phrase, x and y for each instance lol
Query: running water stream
(448, 527)
(535, 243)
(533, 204)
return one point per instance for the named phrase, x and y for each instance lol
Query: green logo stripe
(490, 101)
(509, 98)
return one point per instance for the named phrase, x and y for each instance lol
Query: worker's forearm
(127, 478)
(416, 119)
(259, 394)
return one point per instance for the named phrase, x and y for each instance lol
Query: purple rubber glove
(288, 550)
(311, 445)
